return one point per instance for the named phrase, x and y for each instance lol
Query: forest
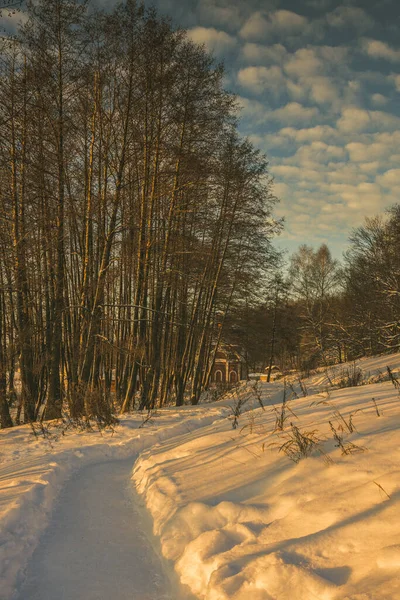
(320, 311)
(137, 228)
(133, 215)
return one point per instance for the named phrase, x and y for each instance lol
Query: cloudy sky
(319, 82)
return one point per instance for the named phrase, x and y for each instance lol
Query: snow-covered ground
(114, 557)
(236, 516)
(34, 469)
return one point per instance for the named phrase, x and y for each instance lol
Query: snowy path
(95, 547)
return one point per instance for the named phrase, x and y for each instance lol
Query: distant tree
(267, 328)
(372, 284)
(278, 293)
(314, 277)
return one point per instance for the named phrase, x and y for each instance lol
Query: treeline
(324, 312)
(133, 217)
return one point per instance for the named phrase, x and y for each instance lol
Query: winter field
(300, 500)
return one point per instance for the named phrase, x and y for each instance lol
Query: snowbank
(371, 369)
(240, 520)
(33, 469)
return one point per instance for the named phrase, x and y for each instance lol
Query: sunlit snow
(234, 516)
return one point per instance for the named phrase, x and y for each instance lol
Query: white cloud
(289, 138)
(259, 79)
(281, 190)
(360, 152)
(262, 25)
(391, 138)
(317, 133)
(215, 40)
(253, 110)
(330, 191)
(395, 78)
(365, 197)
(344, 174)
(370, 167)
(297, 90)
(304, 63)
(223, 14)
(293, 113)
(255, 27)
(379, 99)
(350, 16)
(323, 90)
(316, 73)
(287, 171)
(258, 53)
(334, 161)
(307, 74)
(288, 21)
(319, 152)
(378, 49)
(303, 176)
(390, 179)
(356, 119)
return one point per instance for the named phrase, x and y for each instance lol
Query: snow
(240, 520)
(234, 516)
(34, 469)
(372, 369)
(85, 519)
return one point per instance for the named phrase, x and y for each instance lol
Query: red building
(228, 366)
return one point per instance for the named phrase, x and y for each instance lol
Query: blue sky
(319, 83)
